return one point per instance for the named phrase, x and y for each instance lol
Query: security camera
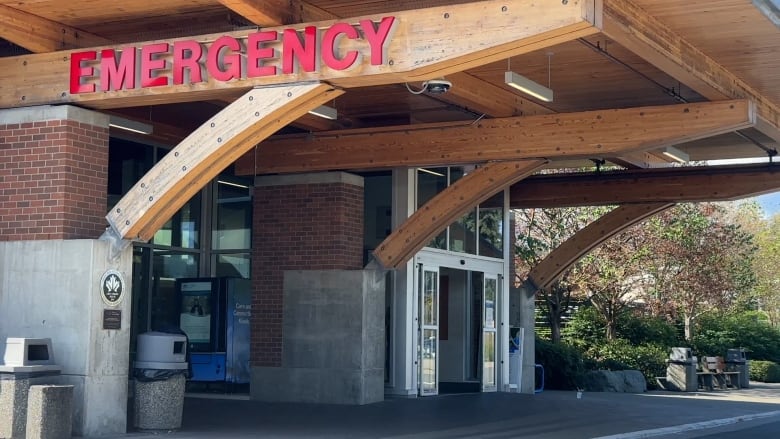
(437, 86)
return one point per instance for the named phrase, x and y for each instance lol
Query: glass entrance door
(429, 330)
(489, 309)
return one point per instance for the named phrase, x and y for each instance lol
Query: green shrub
(564, 367)
(748, 330)
(764, 371)
(650, 359)
(587, 329)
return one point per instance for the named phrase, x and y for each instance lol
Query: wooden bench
(714, 374)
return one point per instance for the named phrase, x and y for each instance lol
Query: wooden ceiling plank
(206, 152)
(588, 134)
(666, 185)
(447, 206)
(38, 34)
(648, 37)
(585, 240)
(262, 12)
(426, 43)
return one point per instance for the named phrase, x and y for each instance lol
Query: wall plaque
(112, 287)
(112, 319)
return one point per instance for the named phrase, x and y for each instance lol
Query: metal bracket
(117, 244)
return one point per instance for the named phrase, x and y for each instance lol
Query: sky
(770, 203)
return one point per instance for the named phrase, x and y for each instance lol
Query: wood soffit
(602, 71)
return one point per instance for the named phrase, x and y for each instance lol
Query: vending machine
(214, 314)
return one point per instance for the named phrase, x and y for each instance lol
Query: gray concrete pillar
(52, 289)
(333, 340)
(521, 314)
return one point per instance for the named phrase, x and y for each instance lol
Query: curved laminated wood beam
(587, 134)
(633, 28)
(207, 151)
(669, 185)
(447, 206)
(585, 240)
(415, 45)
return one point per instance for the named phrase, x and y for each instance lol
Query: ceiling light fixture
(130, 125)
(528, 86)
(325, 111)
(428, 171)
(676, 154)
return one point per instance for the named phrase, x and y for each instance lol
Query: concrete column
(403, 381)
(333, 340)
(51, 289)
(301, 222)
(521, 314)
(55, 163)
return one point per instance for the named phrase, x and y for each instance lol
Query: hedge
(764, 371)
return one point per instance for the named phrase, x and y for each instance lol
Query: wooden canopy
(630, 77)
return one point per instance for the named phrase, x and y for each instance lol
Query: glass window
(233, 222)
(167, 267)
(127, 163)
(463, 236)
(431, 181)
(232, 265)
(480, 231)
(491, 227)
(183, 228)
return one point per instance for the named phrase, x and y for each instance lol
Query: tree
(538, 232)
(767, 288)
(611, 275)
(697, 262)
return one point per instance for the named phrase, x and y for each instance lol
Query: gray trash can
(736, 361)
(159, 375)
(681, 370)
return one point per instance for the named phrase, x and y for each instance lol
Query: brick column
(300, 222)
(53, 173)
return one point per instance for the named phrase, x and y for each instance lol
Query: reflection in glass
(430, 298)
(431, 181)
(232, 265)
(233, 222)
(183, 228)
(428, 371)
(489, 359)
(491, 230)
(463, 237)
(490, 303)
(167, 266)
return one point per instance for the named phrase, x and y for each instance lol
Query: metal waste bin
(681, 370)
(736, 361)
(160, 375)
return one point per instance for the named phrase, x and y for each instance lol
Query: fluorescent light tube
(675, 154)
(325, 111)
(130, 125)
(428, 171)
(528, 87)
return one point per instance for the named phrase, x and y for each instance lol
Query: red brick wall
(298, 227)
(53, 180)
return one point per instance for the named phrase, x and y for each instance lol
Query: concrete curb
(691, 427)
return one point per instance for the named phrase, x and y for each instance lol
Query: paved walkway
(550, 415)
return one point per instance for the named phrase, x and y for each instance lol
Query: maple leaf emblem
(113, 284)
